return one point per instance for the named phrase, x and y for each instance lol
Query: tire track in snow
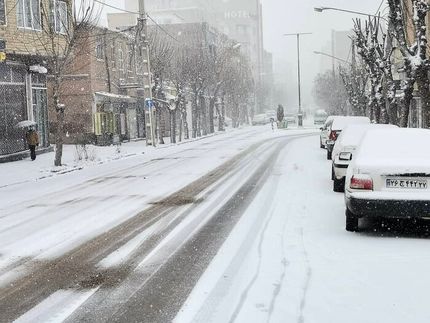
(307, 280)
(284, 264)
(244, 295)
(79, 264)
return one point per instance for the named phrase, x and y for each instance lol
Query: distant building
(240, 20)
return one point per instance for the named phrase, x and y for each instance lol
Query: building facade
(23, 90)
(101, 89)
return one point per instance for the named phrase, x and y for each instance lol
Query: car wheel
(321, 144)
(351, 222)
(332, 173)
(328, 155)
(338, 185)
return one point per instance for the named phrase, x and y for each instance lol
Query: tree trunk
(211, 114)
(406, 103)
(218, 107)
(392, 103)
(173, 126)
(382, 116)
(181, 125)
(194, 115)
(59, 136)
(204, 116)
(160, 126)
(424, 90)
(185, 122)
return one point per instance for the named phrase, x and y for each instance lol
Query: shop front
(115, 118)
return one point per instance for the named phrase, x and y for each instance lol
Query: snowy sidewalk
(24, 171)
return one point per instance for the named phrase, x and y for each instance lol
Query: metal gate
(13, 108)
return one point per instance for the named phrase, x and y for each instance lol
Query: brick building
(101, 90)
(23, 94)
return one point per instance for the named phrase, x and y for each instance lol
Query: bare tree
(238, 86)
(64, 24)
(366, 38)
(219, 61)
(197, 74)
(355, 80)
(329, 93)
(161, 53)
(416, 64)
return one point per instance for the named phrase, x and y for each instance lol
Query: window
(28, 14)
(2, 13)
(60, 17)
(100, 52)
(130, 57)
(113, 54)
(121, 62)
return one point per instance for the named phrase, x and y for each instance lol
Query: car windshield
(214, 161)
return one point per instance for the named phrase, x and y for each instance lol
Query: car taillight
(333, 135)
(361, 182)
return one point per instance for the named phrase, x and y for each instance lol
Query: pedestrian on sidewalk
(32, 141)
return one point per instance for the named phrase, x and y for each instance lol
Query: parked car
(336, 127)
(325, 131)
(389, 176)
(320, 116)
(344, 149)
(260, 119)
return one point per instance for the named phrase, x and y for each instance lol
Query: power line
(116, 8)
(163, 29)
(379, 8)
(136, 13)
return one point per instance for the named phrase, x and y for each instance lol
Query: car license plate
(406, 183)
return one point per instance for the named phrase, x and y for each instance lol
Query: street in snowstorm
(257, 236)
(214, 161)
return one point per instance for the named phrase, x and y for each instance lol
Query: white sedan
(344, 149)
(389, 176)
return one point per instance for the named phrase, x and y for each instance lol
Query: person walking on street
(32, 141)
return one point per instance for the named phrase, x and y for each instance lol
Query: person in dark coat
(32, 141)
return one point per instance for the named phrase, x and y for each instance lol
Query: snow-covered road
(57, 230)
(289, 258)
(241, 227)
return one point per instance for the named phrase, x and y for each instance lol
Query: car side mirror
(322, 128)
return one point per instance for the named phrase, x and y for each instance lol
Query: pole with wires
(147, 80)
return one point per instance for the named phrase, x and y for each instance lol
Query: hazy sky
(291, 16)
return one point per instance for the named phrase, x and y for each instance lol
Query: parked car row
(383, 170)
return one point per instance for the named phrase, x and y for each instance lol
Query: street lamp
(334, 57)
(300, 114)
(321, 9)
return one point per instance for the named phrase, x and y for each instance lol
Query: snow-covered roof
(352, 134)
(115, 96)
(341, 122)
(395, 150)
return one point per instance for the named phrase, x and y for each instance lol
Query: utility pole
(147, 81)
(300, 112)
(333, 54)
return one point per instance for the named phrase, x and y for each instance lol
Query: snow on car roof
(341, 122)
(352, 134)
(401, 148)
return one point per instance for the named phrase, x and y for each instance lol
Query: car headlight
(345, 156)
